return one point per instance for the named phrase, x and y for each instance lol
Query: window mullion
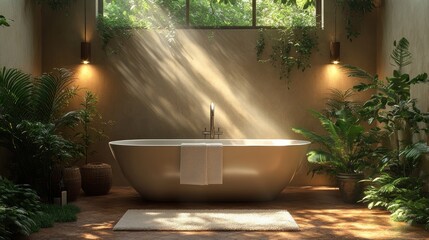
(253, 13)
(187, 13)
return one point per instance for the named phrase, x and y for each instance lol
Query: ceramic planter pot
(96, 178)
(350, 187)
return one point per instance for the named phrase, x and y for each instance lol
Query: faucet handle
(205, 133)
(218, 132)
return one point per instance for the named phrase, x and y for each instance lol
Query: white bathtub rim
(225, 142)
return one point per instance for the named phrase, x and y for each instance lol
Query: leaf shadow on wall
(170, 85)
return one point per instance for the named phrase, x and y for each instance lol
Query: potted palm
(32, 116)
(344, 148)
(96, 176)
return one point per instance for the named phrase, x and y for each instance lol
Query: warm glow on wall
(85, 72)
(333, 75)
(333, 71)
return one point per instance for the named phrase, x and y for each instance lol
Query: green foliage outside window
(294, 20)
(210, 14)
(154, 14)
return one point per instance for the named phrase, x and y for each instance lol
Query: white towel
(214, 163)
(193, 163)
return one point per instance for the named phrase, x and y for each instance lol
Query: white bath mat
(200, 220)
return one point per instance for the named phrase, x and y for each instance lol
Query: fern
(357, 72)
(401, 55)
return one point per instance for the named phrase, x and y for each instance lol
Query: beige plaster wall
(407, 19)
(155, 90)
(21, 42)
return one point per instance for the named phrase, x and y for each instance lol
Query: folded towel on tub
(193, 163)
(214, 163)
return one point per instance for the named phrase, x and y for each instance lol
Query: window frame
(319, 18)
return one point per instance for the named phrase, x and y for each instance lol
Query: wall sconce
(85, 47)
(334, 47)
(334, 52)
(85, 52)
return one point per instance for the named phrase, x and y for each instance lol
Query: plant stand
(96, 178)
(350, 187)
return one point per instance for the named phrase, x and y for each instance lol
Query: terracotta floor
(318, 211)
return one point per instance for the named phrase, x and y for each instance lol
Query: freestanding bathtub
(253, 169)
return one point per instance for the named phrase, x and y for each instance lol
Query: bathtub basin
(253, 169)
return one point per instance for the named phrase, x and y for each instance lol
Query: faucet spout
(212, 127)
(212, 133)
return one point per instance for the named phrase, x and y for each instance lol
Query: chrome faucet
(212, 133)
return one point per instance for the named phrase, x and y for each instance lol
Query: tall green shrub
(32, 113)
(397, 186)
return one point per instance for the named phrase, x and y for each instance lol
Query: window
(210, 13)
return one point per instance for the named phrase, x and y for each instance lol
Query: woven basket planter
(72, 182)
(96, 178)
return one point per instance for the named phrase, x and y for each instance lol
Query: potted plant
(398, 185)
(31, 113)
(96, 176)
(37, 151)
(345, 148)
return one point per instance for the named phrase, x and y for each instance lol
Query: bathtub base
(258, 171)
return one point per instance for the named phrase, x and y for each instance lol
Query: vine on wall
(293, 47)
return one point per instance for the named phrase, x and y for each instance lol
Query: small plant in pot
(346, 147)
(96, 176)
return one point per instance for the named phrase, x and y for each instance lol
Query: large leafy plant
(397, 186)
(345, 147)
(393, 107)
(22, 213)
(32, 114)
(37, 150)
(18, 206)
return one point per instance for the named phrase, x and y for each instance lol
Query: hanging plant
(108, 28)
(291, 48)
(56, 4)
(354, 11)
(292, 42)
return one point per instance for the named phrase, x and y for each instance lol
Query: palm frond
(326, 160)
(339, 100)
(327, 124)
(15, 93)
(415, 150)
(357, 72)
(312, 136)
(52, 94)
(319, 157)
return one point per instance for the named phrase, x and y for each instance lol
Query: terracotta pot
(350, 187)
(72, 182)
(96, 178)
